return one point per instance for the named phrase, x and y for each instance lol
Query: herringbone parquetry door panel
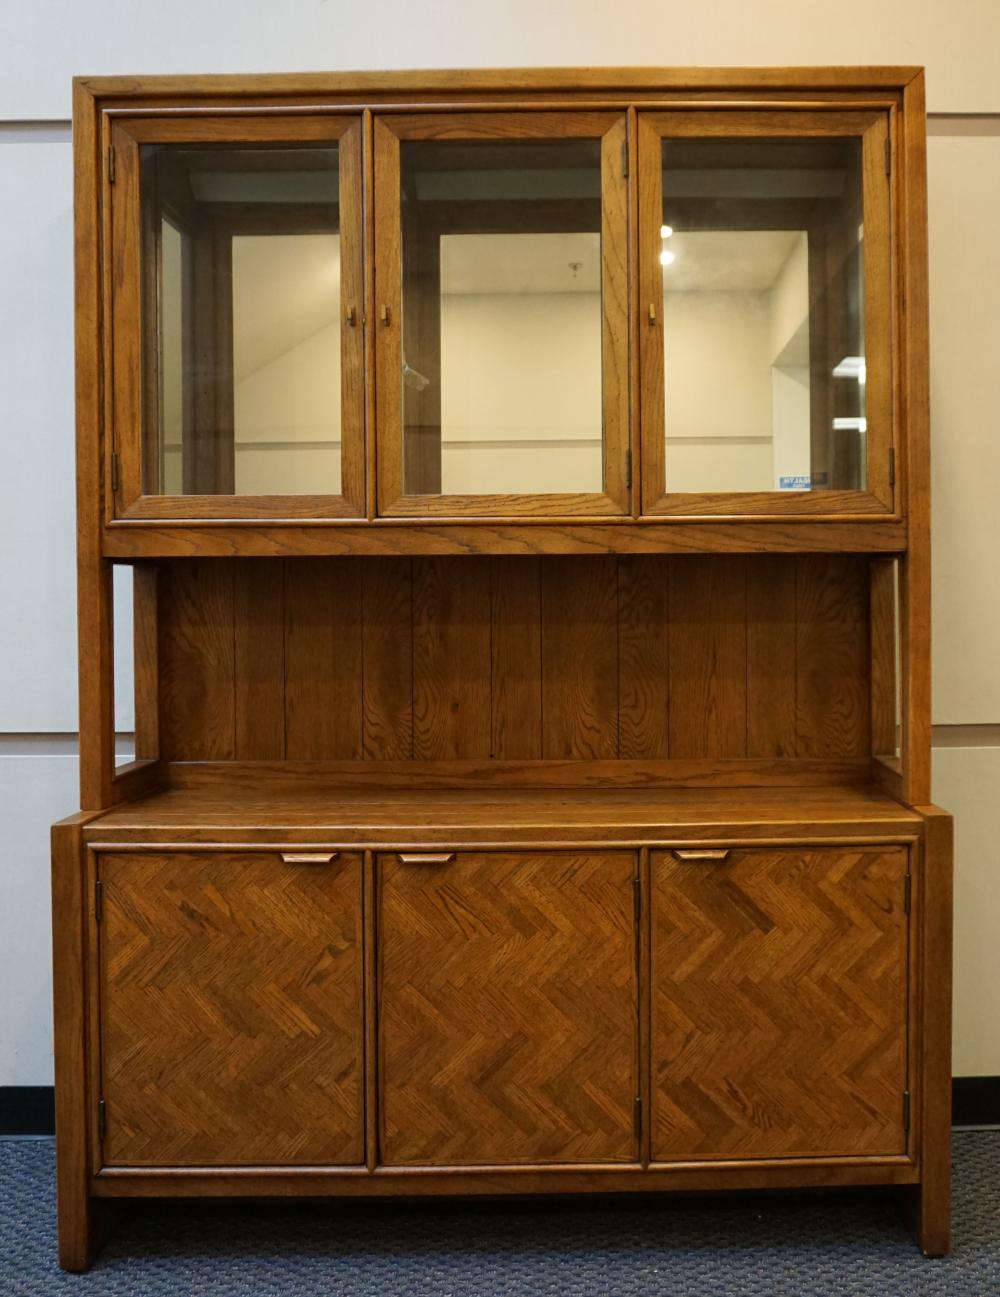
(231, 1004)
(508, 1009)
(778, 1003)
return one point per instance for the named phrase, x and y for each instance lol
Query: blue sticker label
(802, 482)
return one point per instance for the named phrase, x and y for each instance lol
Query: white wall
(45, 43)
(519, 368)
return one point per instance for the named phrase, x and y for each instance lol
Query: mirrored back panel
(242, 303)
(501, 316)
(762, 250)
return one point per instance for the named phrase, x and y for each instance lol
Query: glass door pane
(242, 264)
(501, 316)
(762, 250)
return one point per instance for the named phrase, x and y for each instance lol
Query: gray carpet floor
(778, 1246)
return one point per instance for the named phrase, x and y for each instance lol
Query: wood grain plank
(259, 659)
(516, 695)
(451, 658)
(771, 656)
(644, 656)
(388, 659)
(832, 650)
(145, 608)
(708, 657)
(323, 659)
(579, 657)
(884, 650)
(197, 698)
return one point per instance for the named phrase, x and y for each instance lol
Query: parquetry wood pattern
(507, 1009)
(231, 1009)
(778, 1003)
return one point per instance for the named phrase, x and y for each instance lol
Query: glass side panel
(502, 317)
(241, 373)
(763, 308)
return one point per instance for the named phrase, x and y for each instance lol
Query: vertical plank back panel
(323, 659)
(708, 657)
(259, 660)
(579, 611)
(644, 656)
(516, 693)
(771, 637)
(883, 603)
(451, 658)
(832, 680)
(197, 661)
(388, 659)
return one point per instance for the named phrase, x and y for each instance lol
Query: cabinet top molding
(456, 81)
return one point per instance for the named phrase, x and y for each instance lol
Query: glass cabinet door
(501, 299)
(238, 303)
(765, 328)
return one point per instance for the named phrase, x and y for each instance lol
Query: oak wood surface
(126, 540)
(79, 1217)
(567, 658)
(507, 1009)
(231, 1009)
(410, 810)
(779, 1003)
(930, 1203)
(502, 80)
(573, 693)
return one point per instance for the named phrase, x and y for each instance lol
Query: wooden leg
(928, 1213)
(929, 1203)
(81, 1219)
(84, 1226)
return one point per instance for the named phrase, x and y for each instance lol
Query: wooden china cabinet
(517, 488)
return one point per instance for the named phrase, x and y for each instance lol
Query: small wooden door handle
(426, 858)
(702, 854)
(309, 857)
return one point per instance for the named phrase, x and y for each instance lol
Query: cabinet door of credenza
(507, 1008)
(779, 1002)
(231, 1008)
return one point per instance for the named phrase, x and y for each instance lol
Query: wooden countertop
(375, 816)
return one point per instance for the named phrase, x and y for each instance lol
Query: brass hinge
(115, 472)
(907, 893)
(111, 164)
(628, 470)
(892, 465)
(637, 1113)
(102, 1119)
(625, 157)
(888, 156)
(906, 1110)
(98, 900)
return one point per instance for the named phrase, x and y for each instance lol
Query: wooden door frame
(872, 127)
(128, 404)
(389, 131)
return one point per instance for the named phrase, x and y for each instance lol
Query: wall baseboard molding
(30, 1109)
(27, 1110)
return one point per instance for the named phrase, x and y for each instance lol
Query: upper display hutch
(632, 303)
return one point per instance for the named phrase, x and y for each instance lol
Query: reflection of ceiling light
(666, 257)
(851, 425)
(851, 367)
(666, 231)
